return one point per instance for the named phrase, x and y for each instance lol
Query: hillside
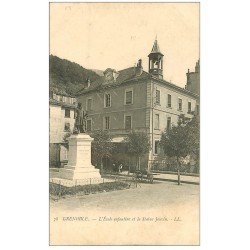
(98, 72)
(68, 77)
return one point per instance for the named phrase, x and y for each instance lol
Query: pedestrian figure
(114, 167)
(120, 168)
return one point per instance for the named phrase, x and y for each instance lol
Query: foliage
(182, 140)
(102, 145)
(194, 137)
(59, 190)
(137, 144)
(65, 139)
(68, 76)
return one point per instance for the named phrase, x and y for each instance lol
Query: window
(189, 107)
(89, 125)
(169, 101)
(89, 104)
(67, 113)
(197, 109)
(129, 97)
(107, 122)
(128, 122)
(157, 121)
(107, 101)
(157, 147)
(179, 104)
(158, 97)
(60, 98)
(168, 123)
(67, 127)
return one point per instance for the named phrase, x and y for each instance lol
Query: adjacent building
(133, 99)
(62, 120)
(193, 79)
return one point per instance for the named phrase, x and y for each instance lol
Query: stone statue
(80, 120)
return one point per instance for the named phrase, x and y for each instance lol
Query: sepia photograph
(124, 124)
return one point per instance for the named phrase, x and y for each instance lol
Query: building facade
(62, 120)
(133, 99)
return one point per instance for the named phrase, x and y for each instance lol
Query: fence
(172, 166)
(59, 187)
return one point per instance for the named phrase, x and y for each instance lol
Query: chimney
(197, 66)
(188, 77)
(139, 68)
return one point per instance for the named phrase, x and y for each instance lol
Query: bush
(59, 190)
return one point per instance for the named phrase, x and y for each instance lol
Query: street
(158, 209)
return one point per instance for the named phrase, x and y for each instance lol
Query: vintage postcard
(124, 139)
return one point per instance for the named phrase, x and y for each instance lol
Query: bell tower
(155, 62)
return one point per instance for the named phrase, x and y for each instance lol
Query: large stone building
(62, 119)
(133, 99)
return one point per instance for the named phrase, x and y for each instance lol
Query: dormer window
(110, 75)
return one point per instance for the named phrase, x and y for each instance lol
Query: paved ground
(184, 178)
(166, 212)
(173, 177)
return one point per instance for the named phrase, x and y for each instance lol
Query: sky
(116, 35)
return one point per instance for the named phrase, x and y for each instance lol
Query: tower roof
(156, 48)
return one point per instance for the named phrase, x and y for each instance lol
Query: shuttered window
(129, 97)
(168, 123)
(128, 122)
(107, 100)
(189, 107)
(169, 101)
(179, 104)
(67, 113)
(157, 121)
(89, 104)
(158, 97)
(107, 122)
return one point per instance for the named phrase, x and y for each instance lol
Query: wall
(118, 109)
(165, 112)
(141, 109)
(57, 122)
(54, 155)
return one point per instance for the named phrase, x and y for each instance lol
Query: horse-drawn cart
(141, 175)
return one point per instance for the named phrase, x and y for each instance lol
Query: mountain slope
(67, 76)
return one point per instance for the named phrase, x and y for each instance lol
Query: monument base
(79, 159)
(74, 173)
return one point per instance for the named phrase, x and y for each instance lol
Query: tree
(102, 146)
(137, 145)
(194, 138)
(181, 140)
(66, 139)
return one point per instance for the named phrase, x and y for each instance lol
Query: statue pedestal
(79, 159)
